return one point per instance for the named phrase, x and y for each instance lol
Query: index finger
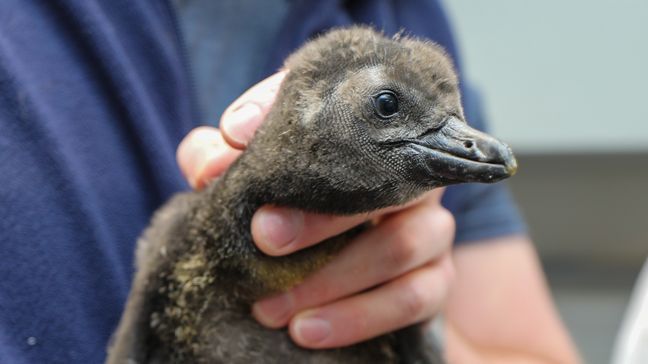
(241, 119)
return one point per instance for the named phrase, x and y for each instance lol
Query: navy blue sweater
(94, 98)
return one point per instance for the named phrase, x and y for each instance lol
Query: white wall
(559, 75)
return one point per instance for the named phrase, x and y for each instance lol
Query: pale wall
(559, 75)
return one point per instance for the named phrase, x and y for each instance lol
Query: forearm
(461, 350)
(500, 309)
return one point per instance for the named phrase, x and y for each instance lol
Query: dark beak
(458, 153)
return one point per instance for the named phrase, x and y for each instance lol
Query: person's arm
(397, 273)
(500, 309)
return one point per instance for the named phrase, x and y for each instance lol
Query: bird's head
(376, 120)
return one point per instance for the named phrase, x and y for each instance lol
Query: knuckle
(417, 238)
(404, 249)
(446, 223)
(416, 299)
(445, 218)
(443, 223)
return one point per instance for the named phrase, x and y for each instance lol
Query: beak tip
(511, 166)
(508, 159)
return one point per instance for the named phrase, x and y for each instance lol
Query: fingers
(280, 231)
(401, 243)
(203, 155)
(243, 116)
(409, 299)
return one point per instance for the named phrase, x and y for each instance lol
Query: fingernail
(241, 123)
(278, 227)
(273, 311)
(311, 330)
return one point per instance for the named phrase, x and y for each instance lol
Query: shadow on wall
(587, 207)
(587, 215)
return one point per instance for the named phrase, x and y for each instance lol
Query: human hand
(393, 275)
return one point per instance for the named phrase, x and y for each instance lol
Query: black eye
(386, 104)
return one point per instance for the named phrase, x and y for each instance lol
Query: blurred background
(566, 83)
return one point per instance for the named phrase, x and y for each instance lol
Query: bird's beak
(458, 153)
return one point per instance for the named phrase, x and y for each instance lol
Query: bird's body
(348, 134)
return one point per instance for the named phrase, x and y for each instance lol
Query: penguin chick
(361, 122)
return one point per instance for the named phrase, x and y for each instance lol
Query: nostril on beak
(468, 144)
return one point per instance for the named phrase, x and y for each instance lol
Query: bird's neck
(228, 205)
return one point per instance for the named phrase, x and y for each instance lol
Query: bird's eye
(386, 104)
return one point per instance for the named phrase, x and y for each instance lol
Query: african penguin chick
(361, 122)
